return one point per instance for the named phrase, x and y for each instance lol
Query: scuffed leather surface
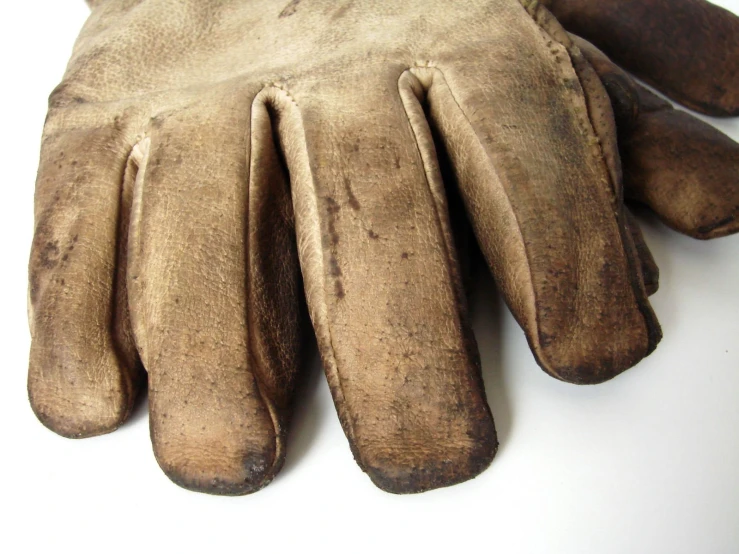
(681, 167)
(189, 138)
(658, 41)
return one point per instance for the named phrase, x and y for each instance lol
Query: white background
(647, 463)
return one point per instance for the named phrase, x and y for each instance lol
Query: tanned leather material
(682, 168)
(657, 40)
(201, 158)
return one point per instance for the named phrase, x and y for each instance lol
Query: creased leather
(259, 144)
(657, 40)
(682, 168)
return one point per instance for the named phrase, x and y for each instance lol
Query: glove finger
(216, 322)
(382, 282)
(544, 207)
(84, 373)
(689, 49)
(682, 168)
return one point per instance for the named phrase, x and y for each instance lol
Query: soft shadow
(140, 411)
(486, 312)
(308, 412)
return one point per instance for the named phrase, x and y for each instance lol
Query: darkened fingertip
(77, 417)
(423, 463)
(433, 474)
(254, 472)
(615, 350)
(722, 228)
(588, 374)
(686, 171)
(604, 362)
(215, 459)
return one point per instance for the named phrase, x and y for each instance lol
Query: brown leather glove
(682, 168)
(199, 154)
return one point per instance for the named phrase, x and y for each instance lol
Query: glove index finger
(689, 49)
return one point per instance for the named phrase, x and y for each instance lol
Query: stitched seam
(535, 9)
(279, 90)
(249, 146)
(534, 345)
(429, 178)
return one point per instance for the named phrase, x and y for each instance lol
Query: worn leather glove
(199, 154)
(682, 168)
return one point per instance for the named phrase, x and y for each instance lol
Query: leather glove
(682, 168)
(199, 156)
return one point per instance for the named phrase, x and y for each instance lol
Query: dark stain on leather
(342, 10)
(50, 255)
(290, 9)
(339, 289)
(335, 271)
(33, 286)
(687, 48)
(333, 210)
(353, 202)
(334, 267)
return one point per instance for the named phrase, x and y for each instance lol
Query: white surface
(647, 463)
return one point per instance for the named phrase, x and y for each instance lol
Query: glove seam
(277, 427)
(277, 96)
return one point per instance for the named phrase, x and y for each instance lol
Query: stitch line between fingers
(255, 372)
(303, 191)
(530, 310)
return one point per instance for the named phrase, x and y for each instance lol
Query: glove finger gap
(545, 212)
(220, 375)
(382, 283)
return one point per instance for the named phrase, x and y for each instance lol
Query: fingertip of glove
(607, 364)
(79, 415)
(684, 170)
(201, 469)
(588, 374)
(717, 229)
(421, 475)
(254, 478)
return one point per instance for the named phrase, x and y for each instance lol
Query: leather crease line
(277, 96)
(539, 13)
(460, 110)
(453, 275)
(277, 428)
